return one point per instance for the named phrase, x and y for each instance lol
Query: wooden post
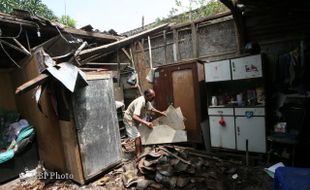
(127, 54)
(14, 47)
(21, 46)
(28, 43)
(150, 52)
(143, 22)
(175, 45)
(118, 68)
(194, 40)
(121, 43)
(134, 66)
(247, 152)
(165, 46)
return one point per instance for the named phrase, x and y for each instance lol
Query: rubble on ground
(167, 167)
(176, 167)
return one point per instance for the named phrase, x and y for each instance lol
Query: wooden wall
(7, 98)
(207, 40)
(47, 127)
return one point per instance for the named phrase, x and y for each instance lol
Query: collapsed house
(31, 47)
(237, 77)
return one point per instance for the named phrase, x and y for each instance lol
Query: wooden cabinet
(178, 84)
(92, 140)
(83, 138)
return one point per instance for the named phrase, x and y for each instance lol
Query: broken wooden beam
(176, 156)
(82, 46)
(15, 47)
(21, 46)
(127, 54)
(121, 43)
(83, 33)
(32, 83)
(92, 69)
(107, 64)
(93, 57)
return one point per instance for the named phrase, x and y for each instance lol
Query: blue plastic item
(290, 178)
(24, 133)
(7, 155)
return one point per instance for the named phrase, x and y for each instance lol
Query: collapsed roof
(20, 32)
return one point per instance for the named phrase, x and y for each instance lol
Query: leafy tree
(7, 6)
(67, 20)
(35, 7)
(205, 8)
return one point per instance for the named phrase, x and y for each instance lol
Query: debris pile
(171, 167)
(167, 167)
(175, 168)
(128, 145)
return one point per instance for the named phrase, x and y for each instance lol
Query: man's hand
(159, 112)
(149, 125)
(163, 114)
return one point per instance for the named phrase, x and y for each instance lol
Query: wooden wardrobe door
(183, 95)
(162, 87)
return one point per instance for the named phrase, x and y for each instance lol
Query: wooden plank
(32, 83)
(174, 119)
(92, 69)
(82, 46)
(28, 42)
(150, 52)
(21, 46)
(134, 66)
(141, 68)
(121, 43)
(175, 45)
(97, 126)
(209, 18)
(96, 75)
(169, 129)
(165, 46)
(84, 33)
(14, 47)
(127, 54)
(7, 97)
(185, 88)
(194, 40)
(17, 21)
(161, 134)
(71, 150)
(93, 57)
(118, 68)
(176, 156)
(50, 145)
(107, 64)
(118, 93)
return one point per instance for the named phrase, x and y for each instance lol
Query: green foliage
(6, 6)
(35, 7)
(67, 20)
(205, 8)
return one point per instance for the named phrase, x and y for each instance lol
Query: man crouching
(134, 116)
